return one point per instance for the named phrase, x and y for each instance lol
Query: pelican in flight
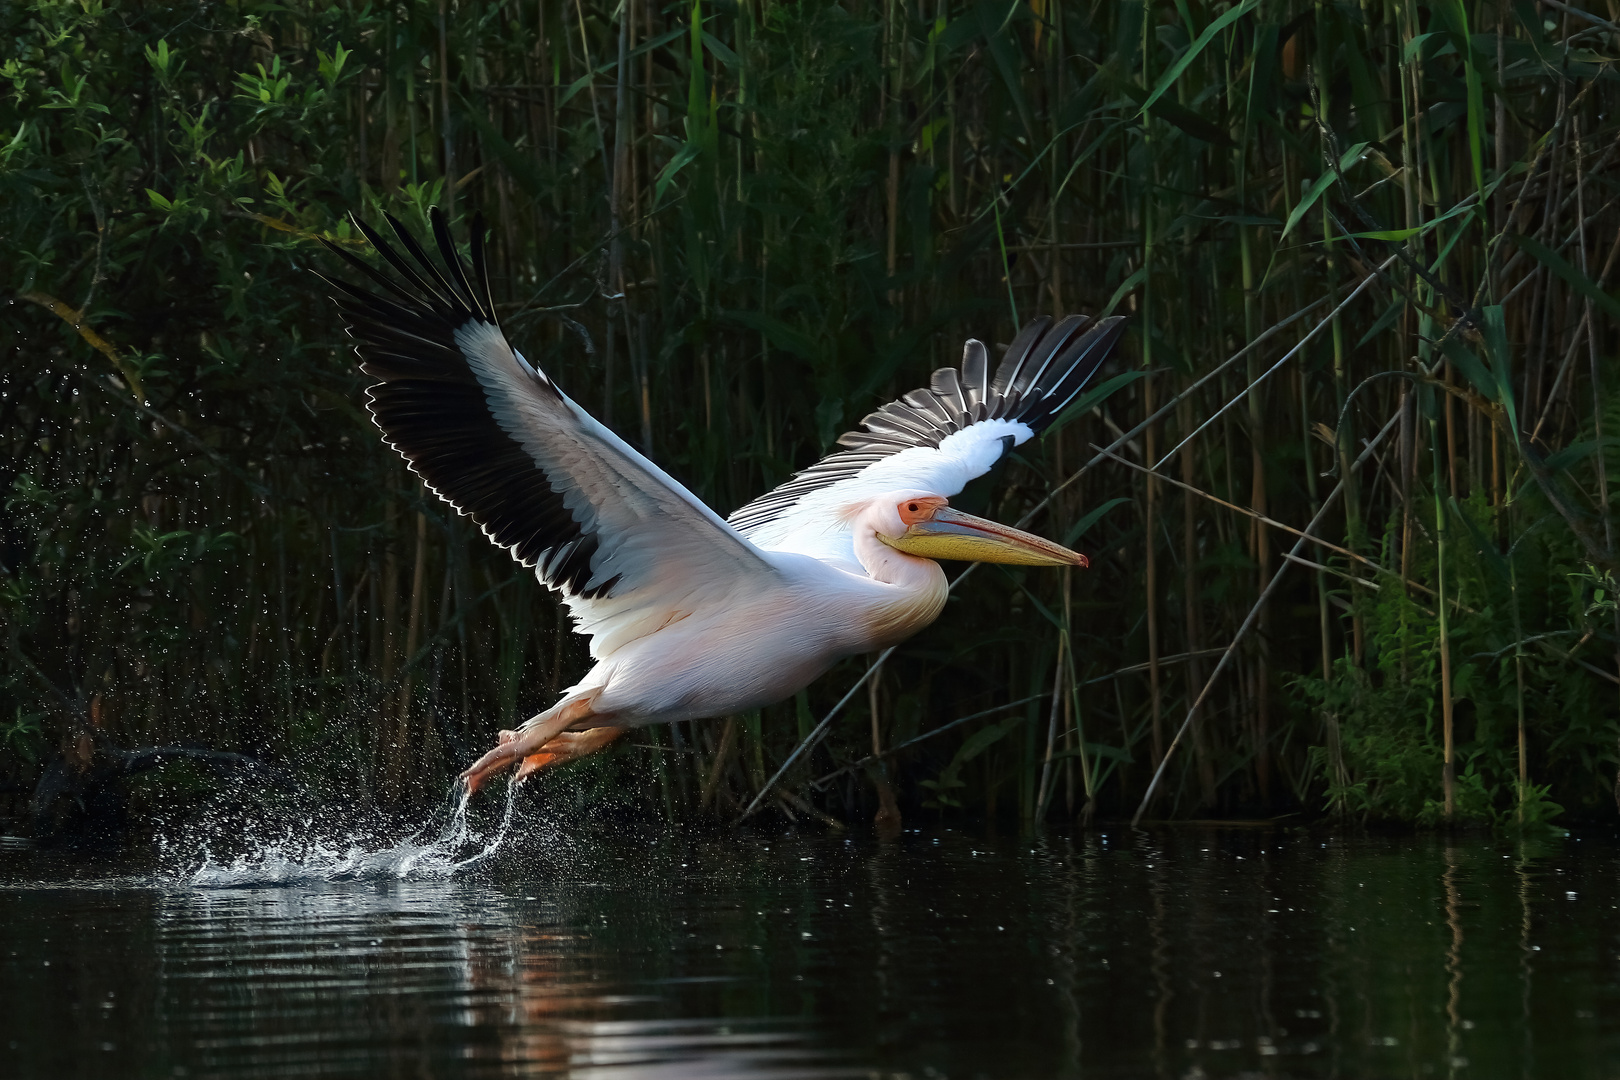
(690, 614)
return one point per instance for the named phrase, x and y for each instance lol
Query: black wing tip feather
(433, 411)
(1045, 359)
(1073, 352)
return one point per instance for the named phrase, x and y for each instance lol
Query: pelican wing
(629, 547)
(937, 438)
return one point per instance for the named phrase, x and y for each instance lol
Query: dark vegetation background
(732, 229)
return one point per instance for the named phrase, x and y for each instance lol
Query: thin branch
(869, 759)
(1253, 617)
(1289, 355)
(1334, 570)
(1275, 524)
(814, 737)
(1605, 24)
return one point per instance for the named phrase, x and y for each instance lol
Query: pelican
(692, 615)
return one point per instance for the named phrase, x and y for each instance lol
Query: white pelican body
(796, 628)
(691, 615)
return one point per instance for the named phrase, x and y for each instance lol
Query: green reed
(731, 229)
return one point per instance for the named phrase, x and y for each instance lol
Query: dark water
(1176, 953)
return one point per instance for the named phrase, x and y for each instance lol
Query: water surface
(1183, 952)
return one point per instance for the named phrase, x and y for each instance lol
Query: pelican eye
(914, 510)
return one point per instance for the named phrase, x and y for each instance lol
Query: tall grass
(1368, 250)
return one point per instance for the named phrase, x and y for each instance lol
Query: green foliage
(23, 734)
(203, 534)
(1380, 756)
(1599, 590)
(1381, 747)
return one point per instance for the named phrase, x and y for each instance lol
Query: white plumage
(815, 526)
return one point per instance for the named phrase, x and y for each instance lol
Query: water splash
(449, 843)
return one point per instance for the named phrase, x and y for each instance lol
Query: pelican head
(926, 526)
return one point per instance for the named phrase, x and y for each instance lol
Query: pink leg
(568, 746)
(526, 740)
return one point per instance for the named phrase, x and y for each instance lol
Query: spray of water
(451, 842)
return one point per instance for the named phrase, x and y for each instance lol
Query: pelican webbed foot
(566, 747)
(545, 737)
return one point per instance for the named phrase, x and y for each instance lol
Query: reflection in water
(1164, 991)
(1178, 953)
(1454, 969)
(315, 979)
(1526, 969)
